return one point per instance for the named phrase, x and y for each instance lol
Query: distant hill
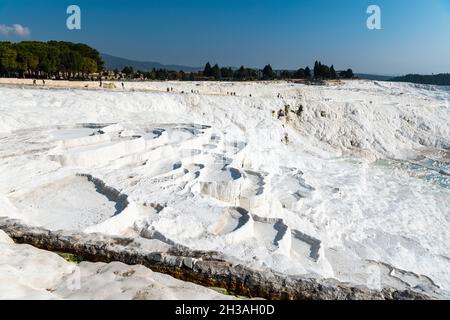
(442, 79)
(375, 77)
(112, 62)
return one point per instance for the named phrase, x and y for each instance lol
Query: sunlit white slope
(348, 180)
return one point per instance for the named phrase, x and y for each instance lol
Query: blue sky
(415, 35)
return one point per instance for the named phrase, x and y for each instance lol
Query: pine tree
(241, 73)
(128, 71)
(268, 73)
(316, 69)
(350, 74)
(333, 74)
(226, 73)
(307, 73)
(325, 72)
(207, 70)
(215, 72)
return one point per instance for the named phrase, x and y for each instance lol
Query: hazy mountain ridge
(376, 77)
(112, 62)
(442, 79)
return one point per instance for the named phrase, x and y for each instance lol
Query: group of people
(192, 90)
(168, 89)
(86, 86)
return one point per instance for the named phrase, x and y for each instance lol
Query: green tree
(241, 74)
(316, 69)
(215, 72)
(207, 70)
(26, 62)
(89, 66)
(324, 72)
(307, 73)
(50, 61)
(128, 71)
(226, 73)
(350, 74)
(8, 56)
(286, 74)
(49, 58)
(268, 73)
(300, 73)
(333, 74)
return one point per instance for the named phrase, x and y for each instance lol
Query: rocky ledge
(209, 269)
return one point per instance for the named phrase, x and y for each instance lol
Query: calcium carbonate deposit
(349, 180)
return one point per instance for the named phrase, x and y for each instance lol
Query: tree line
(442, 79)
(67, 60)
(320, 72)
(53, 59)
